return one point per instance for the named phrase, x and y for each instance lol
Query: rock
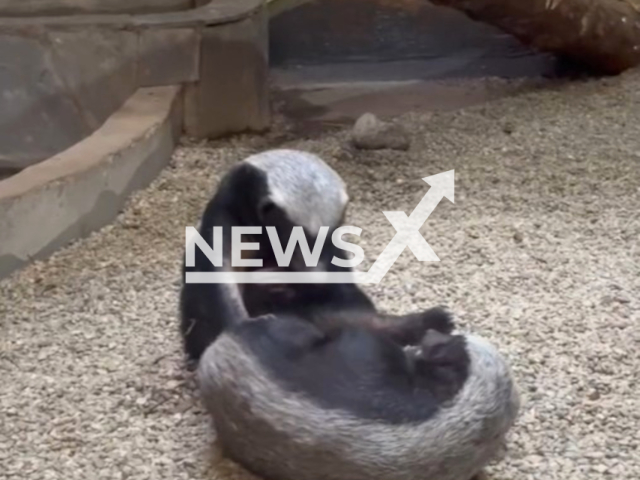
(508, 128)
(371, 133)
(518, 237)
(595, 395)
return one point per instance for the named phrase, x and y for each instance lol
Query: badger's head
(298, 189)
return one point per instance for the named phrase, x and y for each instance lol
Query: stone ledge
(61, 77)
(215, 12)
(78, 191)
(14, 8)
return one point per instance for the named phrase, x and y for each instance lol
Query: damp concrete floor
(539, 253)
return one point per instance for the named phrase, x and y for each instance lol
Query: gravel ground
(539, 253)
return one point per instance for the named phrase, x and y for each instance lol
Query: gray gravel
(539, 253)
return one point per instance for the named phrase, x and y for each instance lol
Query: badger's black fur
(332, 399)
(280, 188)
(311, 382)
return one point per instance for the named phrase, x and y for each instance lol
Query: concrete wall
(72, 7)
(233, 92)
(61, 77)
(325, 31)
(55, 92)
(72, 110)
(47, 206)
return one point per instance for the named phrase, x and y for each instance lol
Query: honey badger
(280, 188)
(297, 400)
(311, 382)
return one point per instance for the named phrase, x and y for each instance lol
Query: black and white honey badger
(280, 188)
(318, 384)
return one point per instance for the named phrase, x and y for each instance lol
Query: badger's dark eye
(267, 208)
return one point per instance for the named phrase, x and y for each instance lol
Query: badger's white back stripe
(283, 434)
(311, 193)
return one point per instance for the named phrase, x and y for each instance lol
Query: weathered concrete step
(78, 191)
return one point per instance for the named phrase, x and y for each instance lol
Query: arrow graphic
(407, 228)
(407, 235)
